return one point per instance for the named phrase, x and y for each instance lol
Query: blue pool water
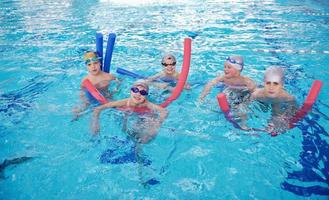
(197, 153)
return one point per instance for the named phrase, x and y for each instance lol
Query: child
(168, 74)
(101, 80)
(282, 104)
(237, 88)
(137, 100)
(231, 78)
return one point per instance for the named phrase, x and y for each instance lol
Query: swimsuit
(237, 95)
(140, 110)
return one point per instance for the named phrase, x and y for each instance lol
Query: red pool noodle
(93, 91)
(308, 103)
(100, 98)
(175, 94)
(183, 75)
(223, 104)
(300, 114)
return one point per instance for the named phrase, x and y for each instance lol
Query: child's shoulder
(247, 78)
(219, 78)
(83, 80)
(286, 96)
(107, 76)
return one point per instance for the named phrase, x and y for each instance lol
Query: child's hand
(201, 99)
(96, 112)
(78, 111)
(245, 128)
(187, 86)
(95, 127)
(76, 114)
(144, 139)
(162, 85)
(151, 131)
(75, 117)
(149, 135)
(95, 122)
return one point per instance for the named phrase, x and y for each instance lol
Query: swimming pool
(197, 153)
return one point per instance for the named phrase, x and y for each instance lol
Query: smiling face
(138, 94)
(273, 89)
(169, 64)
(169, 68)
(230, 71)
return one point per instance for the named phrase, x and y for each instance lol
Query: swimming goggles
(233, 61)
(136, 90)
(89, 60)
(167, 64)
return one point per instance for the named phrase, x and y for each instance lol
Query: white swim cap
(168, 58)
(235, 61)
(274, 74)
(142, 83)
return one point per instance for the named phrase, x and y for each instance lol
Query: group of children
(240, 90)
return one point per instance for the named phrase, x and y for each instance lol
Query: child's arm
(250, 84)
(95, 120)
(257, 93)
(118, 83)
(152, 132)
(151, 79)
(77, 111)
(154, 77)
(163, 113)
(187, 86)
(209, 86)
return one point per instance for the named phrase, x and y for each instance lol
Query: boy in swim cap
(168, 74)
(237, 87)
(137, 100)
(101, 80)
(233, 67)
(282, 104)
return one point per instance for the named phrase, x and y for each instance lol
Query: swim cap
(142, 83)
(168, 58)
(235, 61)
(274, 74)
(90, 57)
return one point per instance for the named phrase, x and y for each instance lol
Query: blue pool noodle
(134, 75)
(129, 73)
(109, 51)
(99, 46)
